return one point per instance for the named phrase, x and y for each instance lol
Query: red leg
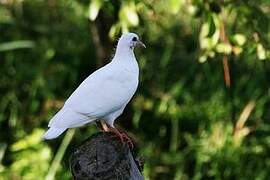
(123, 136)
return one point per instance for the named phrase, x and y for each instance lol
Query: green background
(202, 107)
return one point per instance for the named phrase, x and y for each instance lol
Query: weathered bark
(103, 156)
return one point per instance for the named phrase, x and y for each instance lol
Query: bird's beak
(140, 44)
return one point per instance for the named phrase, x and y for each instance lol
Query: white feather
(53, 133)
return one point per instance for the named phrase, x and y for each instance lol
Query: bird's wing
(67, 118)
(101, 93)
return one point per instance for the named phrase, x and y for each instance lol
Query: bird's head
(130, 40)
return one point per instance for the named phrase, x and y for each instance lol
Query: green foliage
(30, 156)
(189, 123)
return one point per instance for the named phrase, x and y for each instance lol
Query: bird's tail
(53, 133)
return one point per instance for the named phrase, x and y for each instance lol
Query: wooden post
(103, 156)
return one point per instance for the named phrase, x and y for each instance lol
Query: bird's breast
(127, 79)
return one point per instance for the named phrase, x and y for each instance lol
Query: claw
(123, 137)
(128, 140)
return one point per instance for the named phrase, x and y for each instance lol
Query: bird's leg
(128, 139)
(104, 126)
(125, 136)
(122, 135)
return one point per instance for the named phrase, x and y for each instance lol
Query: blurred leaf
(211, 25)
(31, 163)
(136, 117)
(239, 39)
(114, 31)
(262, 23)
(8, 46)
(209, 34)
(175, 6)
(30, 157)
(261, 52)
(28, 141)
(237, 50)
(5, 15)
(202, 58)
(50, 53)
(94, 8)
(224, 48)
(128, 14)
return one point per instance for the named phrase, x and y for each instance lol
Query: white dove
(104, 94)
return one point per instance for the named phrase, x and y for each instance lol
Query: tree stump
(103, 156)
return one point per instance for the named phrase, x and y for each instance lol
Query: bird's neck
(126, 58)
(123, 53)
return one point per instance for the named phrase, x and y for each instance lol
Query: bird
(104, 94)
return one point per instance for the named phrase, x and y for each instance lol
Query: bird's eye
(134, 39)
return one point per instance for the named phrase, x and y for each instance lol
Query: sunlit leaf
(261, 52)
(224, 48)
(28, 141)
(209, 34)
(237, 50)
(129, 15)
(32, 163)
(202, 58)
(94, 8)
(114, 31)
(124, 27)
(175, 6)
(239, 39)
(203, 34)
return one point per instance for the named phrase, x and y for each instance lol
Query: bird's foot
(123, 137)
(126, 138)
